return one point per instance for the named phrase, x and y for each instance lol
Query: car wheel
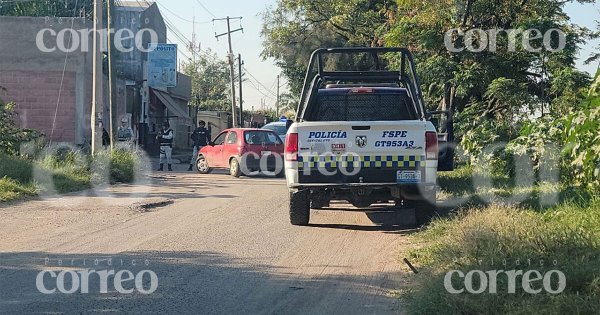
(299, 208)
(202, 165)
(234, 168)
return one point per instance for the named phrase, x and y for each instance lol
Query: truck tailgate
(361, 152)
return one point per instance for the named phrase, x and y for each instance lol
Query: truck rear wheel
(299, 208)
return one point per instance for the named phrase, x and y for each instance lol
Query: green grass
(20, 170)
(63, 172)
(11, 190)
(478, 237)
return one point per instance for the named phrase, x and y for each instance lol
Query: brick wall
(36, 94)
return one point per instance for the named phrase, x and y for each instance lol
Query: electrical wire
(62, 79)
(206, 9)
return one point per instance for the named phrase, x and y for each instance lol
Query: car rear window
(346, 106)
(278, 129)
(261, 138)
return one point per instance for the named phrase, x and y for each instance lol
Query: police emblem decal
(361, 141)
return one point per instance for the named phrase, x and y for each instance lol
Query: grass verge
(11, 190)
(65, 171)
(502, 237)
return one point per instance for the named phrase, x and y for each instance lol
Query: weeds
(523, 236)
(65, 170)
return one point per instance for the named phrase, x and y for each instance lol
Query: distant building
(164, 104)
(216, 121)
(53, 89)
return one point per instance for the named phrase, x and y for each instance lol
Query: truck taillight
(291, 147)
(431, 145)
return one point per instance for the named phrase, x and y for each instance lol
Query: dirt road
(223, 246)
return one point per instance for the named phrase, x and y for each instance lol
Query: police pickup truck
(362, 134)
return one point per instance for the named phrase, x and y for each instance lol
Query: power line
(206, 9)
(179, 36)
(231, 61)
(181, 18)
(260, 91)
(260, 83)
(62, 79)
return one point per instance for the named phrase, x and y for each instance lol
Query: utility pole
(111, 132)
(278, 98)
(240, 64)
(97, 95)
(195, 49)
(231, 59)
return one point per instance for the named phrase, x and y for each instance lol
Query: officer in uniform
(201, 138)
(165, 139)
(125, 133)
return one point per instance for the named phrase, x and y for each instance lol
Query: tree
(210, 82)
(294, 28)
(289, 104)
(458, 80)
(596, 55)
(54, 8)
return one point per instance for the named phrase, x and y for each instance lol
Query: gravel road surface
(217, 244)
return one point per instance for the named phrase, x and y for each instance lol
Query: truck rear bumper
(358, 185)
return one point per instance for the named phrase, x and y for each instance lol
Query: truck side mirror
(288, 124)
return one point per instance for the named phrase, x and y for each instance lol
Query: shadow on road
(188, 282)
(382, 218)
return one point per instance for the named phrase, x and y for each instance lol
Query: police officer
(124, 133)
(201, 138)
(165, 139)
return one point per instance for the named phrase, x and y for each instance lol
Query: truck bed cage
(317, 75)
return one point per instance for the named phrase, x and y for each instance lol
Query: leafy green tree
(458, 80)
(53, 8)
(210, 82)
(293, 29)
(289, 104)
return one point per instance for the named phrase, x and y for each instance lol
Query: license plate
(265, 152)
(409, 176)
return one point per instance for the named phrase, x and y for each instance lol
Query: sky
(261, 83)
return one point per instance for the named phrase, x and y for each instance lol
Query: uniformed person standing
(125, 133)
(165, 139)
(201, 138)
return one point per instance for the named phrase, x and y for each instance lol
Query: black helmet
(166, 124)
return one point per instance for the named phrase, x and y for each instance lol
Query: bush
(66, 181)
(20, 170)
(121, 166)
(573, 141)
(11, 137)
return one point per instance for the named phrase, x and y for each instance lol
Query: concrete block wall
(36, 94)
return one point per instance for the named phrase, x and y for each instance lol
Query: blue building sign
(162, 65)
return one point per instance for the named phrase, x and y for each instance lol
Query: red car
(244, 151)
